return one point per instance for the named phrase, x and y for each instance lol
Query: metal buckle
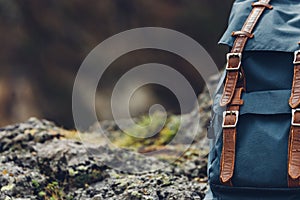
(295, 58)
(228, 56)
(293, 117)
(226, 113)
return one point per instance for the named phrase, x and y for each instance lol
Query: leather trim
(238, 47)
(294, 138)
(229, 141)
(230, 84)
(259, 4)
(294, 156)
(228, 155)
(232, 92)
(295, 94)
(242, 33)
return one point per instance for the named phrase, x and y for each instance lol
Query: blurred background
(43, 44)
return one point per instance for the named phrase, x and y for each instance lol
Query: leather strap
(242, 33)
(228, 154)
(238, 47)
(295, 94)
(230, 119)
(294, 155)
(231, 97)
(294, 138)
(259, 4)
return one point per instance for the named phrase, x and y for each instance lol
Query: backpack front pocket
(261, 141)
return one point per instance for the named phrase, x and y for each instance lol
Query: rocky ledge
(42, 161)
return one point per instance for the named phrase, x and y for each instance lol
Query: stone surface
(39, 160)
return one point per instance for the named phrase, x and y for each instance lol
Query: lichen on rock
(42, 161)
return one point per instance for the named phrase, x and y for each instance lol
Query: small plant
(35, 183)
(42, 194)
(52, 192)
(150, 130)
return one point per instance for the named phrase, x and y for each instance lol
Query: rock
(42, 161)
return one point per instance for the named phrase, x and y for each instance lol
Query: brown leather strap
(294, 138)
(238, 47)
(295, 94)
(230, 119)
(294, 151)
(228, 154)
(260, 4)
(230, 85)
(231, 97)
(242, 33)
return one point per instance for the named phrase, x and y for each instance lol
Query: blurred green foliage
(153, 130)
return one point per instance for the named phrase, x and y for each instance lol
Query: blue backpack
(255, 126)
